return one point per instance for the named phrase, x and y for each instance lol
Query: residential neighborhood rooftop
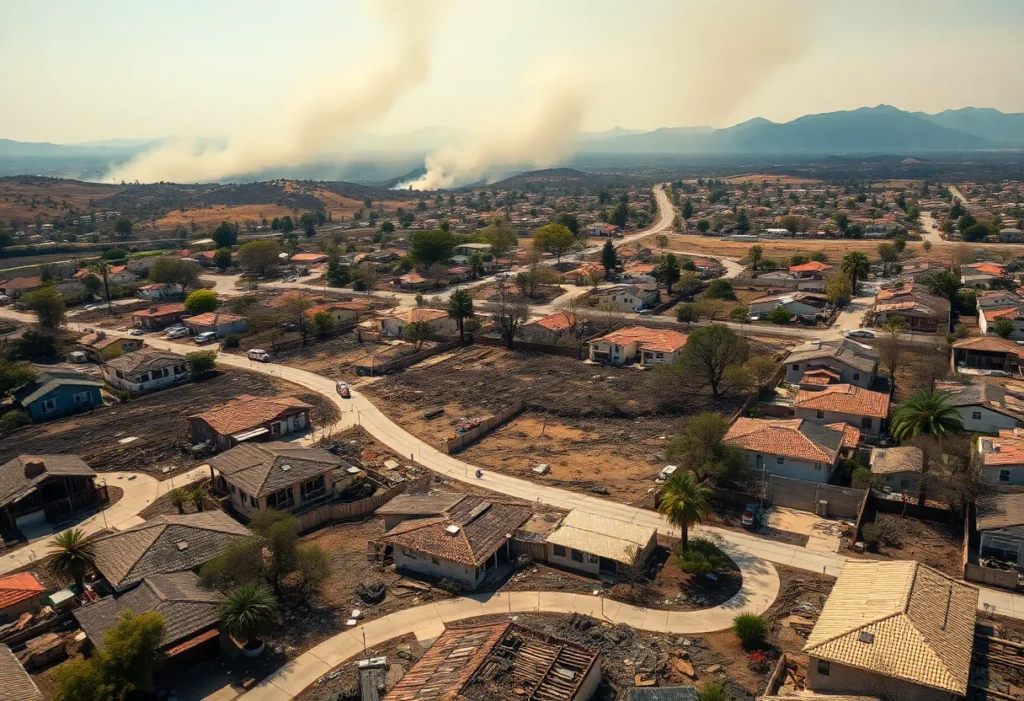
(17, 684)
(888, 461)
(849, 352)
(144, 360)
(20, 476)
(845, 399)
(247, 411)
(792, 438)
(655, 340)
(603, 536)
(999, 511)
(15, 588)
(263, 468)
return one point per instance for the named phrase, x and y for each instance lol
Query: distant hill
(986, 123)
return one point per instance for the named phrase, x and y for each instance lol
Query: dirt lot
(157, 423)
(333, 357)
(919, 365)
(938, 545)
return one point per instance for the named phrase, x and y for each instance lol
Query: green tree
(287, 225)
(114, 254)
(686, 313)
(703, 225)
(201, 302)
(569, 221)
(668, 271)
(555, 239)
(308, 222)
(323, 324)
(175, 271)
(720, 289)
(295, 308)
(620, 215)
(609, 258)
(780, 315)
(429, 247)
(943, 283)
(501, 236)
(124, 227)
(684, 502)
(838, 289)
(225, 235)
(387, 228)
(856, 266)
(742, 222)
(249, 613)
(222, 258)
(889, 255)
(259, 257)
(701, 449)
(1005, 328)
(14, 375)
(49, 307)
(708, 356)
(337, 275)
(926, 411)
(460, 308)
(201, 362)
(179, 498)
(93, 285)
(965, 222)
(74, 556)
(687, 208)
(417, 332)
(975, 232)
(755, 255)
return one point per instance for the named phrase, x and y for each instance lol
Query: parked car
(181, 332)
(860, 333)
(206, 337)
(90, 307)
(753, 515)
(259, 355)
(343, 390)
(136, 332)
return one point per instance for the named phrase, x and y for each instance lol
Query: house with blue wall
(54, 394)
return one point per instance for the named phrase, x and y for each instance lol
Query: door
(606, 566)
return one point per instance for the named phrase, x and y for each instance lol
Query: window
(314, 489)
(796, 366)
(275, 428)
(780, 460)
(856, 376)
(281, 499)
(252, 501)
(817, 466)
(824, 667)
(976, 415)
(905, 484)
(1004, 475)
(559, 550)
(592, 559)
(49, 406)
(820, 414)
(81, 397)
(865, 422)
(576, 555)
(1005, 550)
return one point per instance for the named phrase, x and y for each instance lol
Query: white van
(259, 355)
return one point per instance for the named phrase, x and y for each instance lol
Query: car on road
(180, 332)
(343, 390)
(860, 333)
(753, 515)
(206, 337)
(259, 355)
(136, 332)
(91, 307)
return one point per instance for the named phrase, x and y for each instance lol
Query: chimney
(34, 468)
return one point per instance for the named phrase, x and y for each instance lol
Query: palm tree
(942, 283)
(248, 613)
(684, 501)
(856, 266)
(926, 411)
(103, 268)
(460, 308)
(74, 557)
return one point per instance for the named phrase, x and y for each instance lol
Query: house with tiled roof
(220, 323)
(647, 346)
(166, 543)
(17, 286)
(551, 329)
(598, 545)
(393, 325)
(843, 403)
(159, 316)
(18, 685)
(984, 406)
(811, 270)
(343, 313)
(282, 476)
(630, 296)
(100, 346)
(920, 309)
(464, 544)
(979, 354)
(821, 363)
(1002, 458)
(411, 282)
(19, 594)
(898, 468)
(788, 447)
(159, 291)
(248, 418)
(146, 370)
(894, 630)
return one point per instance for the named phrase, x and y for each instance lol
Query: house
(999, 522)
(166, 543)
(631, 297)
(159, 291)
(38, 488)
(551, 329)
(899, 468)
(221, 323)
(16, 287)
(159, 316)
(116, 275)
(895, 630)
(843, 403)
(260, 476)
(922, 311)
(100, 346)
(411, 506)
(1002, 458)
(247, 417)
(481, 662)
(1011, 235)
(984, 407)
(393, 325)
(308, 258)
(53, 394)
(18, 685)
(412, 282)
(988, 318)
(821, 363)
(468, 249)
(812, 270)
(602, 229)
(146, 370)
(641, 344)
(980, 355)
(19, 594)
(343, 313)
(918, 270)
(598, 545)
(464, 544)
(191, 613)
(797, 303)
(788, 447)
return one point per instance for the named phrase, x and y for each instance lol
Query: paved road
(930, 231)
(428, 621)
(955, 191)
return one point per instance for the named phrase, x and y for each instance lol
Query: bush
(886, 530)
(702, 556)
(450, 586)
(232, 340)
(712, 691)
(13, 419)
(202, 362)
(202, 301)
(780, 315)
(758, 663)
(314, 566)
(750, 629)
(720, 289)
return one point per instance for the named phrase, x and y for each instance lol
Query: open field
(936, 544)
(771, 179)
(156, 423)
(21, 199)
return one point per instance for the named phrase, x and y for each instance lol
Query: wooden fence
(356, 509)
(452, 445)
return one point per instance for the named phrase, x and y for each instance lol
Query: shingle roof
(187, 608)
(656, 340)
(259, 469)
(170, 543)
(844, 399)
(482, 526)
(887, 461)
(420, 505)
(791, 438)
(853, 354)
(145, 360)
(999, 511)
(987, 394)
(99, 340)
(20, 475)
(16, 588)
(600, 535)
(17, 684)
(247, 411)
(46, 382)
(899, 619)
(411, 316)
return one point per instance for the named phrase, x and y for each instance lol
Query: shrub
(179, 497)
(232, 340)
(750, 629)
(450, 586)
(13, 419)
(702, 556)
(780, 315)
(886, 530)
(758, 663)
(202, 362)
(720, 289)
(712, 691)
(202, 301)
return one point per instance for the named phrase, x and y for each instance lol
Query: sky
(303, 75)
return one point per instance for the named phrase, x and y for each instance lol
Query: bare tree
(891, 348)
(634, 574)
(511, 312)
(575, 311)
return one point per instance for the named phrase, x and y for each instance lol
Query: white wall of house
(1007, 475)
(617, 354)
(796, 308)
(868, 425)
(981, 419)
(847, 375)
(147, 381)
(908, 482)
(652, 358)
(436, 567)
(585, 562)
(849, 680)
(789, 467)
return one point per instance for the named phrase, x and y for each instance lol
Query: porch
(53, 501)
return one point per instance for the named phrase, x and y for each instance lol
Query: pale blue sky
(90, 69)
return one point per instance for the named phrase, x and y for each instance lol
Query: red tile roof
(309, 257)
(1008, 449)
(556, 322)
(851, 434)
(657, 340)
(162, 310)
(411, 316)
(990, 345)
(16, 588)
(247, 412)
(780, 437)
(214, 319)
(845, 399)
(810, 267)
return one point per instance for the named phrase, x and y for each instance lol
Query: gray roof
(1001, 512)
(259, 468)
(853, 354)
(145, 360)
(48, 381)
(18, 477)
(987, 394)
(165, 544)
(17, 684)
(664, 693)
(186, 607)
(420, 505)
(887, 461)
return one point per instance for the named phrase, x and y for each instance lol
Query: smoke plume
(302, 134)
